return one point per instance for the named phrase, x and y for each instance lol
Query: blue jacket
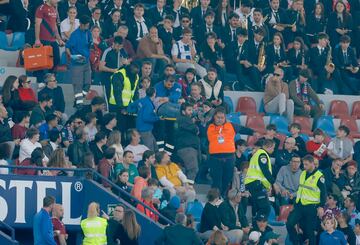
(335, 238)
(174, 93)
(146, 116)
(43, 229)
(79, 44)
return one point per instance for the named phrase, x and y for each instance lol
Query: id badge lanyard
(220, 137)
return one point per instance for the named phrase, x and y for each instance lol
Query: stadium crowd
(162, 125)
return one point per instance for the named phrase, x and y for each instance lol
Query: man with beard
(60, 234)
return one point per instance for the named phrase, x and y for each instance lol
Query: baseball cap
(254, 236)
(260, 217)
(357, 221)
(271, 235)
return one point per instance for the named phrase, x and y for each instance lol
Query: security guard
(311, 197)
(259, 178)
(123, 90)
(94, 227)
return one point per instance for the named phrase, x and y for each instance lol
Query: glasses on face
(277, 74)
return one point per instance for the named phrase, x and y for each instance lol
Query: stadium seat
(339, 109)
(351, 124)
(234, 117)
(326, 124)
(355, 112)
(246, 105)
(305, 124)
(229, 102)
(91, 94)
(282, 124)
(256, 122)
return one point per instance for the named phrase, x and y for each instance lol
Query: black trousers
(307, 216)
(259, 198)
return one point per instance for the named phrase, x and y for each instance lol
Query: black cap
(260, 217)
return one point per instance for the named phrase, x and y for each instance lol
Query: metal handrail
(12, 230)
(95, 173)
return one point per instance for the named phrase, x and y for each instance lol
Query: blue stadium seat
(326, 124)
(234, 117)
(229, 102)
(282, 124)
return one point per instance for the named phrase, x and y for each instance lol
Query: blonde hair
(57, 159)
(93, 210)
(131, 227)
(218, 238)
(332, 219)
(114, 138)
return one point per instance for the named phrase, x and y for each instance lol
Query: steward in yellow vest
(123, 87)
(311, 197)
(259, 178)
(94, 227)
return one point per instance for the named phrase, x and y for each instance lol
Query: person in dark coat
(78, 148)
(188, 141)
(179, 234)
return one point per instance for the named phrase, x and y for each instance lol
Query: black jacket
(187, 133)
(228, 216)
(178, 235)
(5, 131)
(210, 217)
(57, 96)
(76, 152)
(339, 59)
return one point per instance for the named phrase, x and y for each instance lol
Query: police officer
(123, 90)
(311, 197)
(259, 178)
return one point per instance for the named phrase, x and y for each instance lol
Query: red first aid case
(38, 58)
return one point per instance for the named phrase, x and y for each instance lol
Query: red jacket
(146, 211)
(27, 94)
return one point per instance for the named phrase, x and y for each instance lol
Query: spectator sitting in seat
(148, 160)
(114, 141)
(128, 164)
(341, 146)
(97, 106)
(335, 180)
(34, 160)
(276, 97)
(54, 142)
(213, 88)
(140, 181)
(90, 126)
(135, 147)
(4, 156)
(122, 181)
(51, 123)
(26, 93)
(304, 96)
(106, 167)
(57, 160)
(69, 129)
(261, 225)
(5, 131)
(300, 147)
(55, 92)
(184, 54)
(29, 144)
(18, 131)
(186, 81)
(331, 207)
(287, 181)
(351, 210)
(172, 178)
(145, 83)
(353, 180)
(78, 148)
(98, 146)
(318, 149)
(108, 123)
(343, 220)
(284, 156)
(146, 197)
(196, 99)
(271, 134)
(40, 111)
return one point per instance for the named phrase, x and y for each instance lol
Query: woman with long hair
(26, 93)
(298, 56)
(129, 231)
(57, 160)
(114, 141)
(222, 13)
(97, 48)
(315, 23)
(340, 23)
(11, 98)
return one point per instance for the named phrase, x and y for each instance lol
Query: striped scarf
(302, 91)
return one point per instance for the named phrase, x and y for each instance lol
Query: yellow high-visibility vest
(94, 230)
(309, 192)
(127, 94)
(254, 172)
